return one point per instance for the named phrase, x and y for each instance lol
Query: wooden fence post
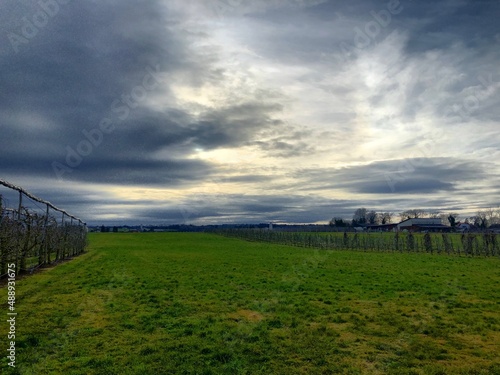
(62, 243)
(20, 206)
(18, 244)
(44, 246)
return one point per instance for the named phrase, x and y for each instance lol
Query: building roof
(420, 221)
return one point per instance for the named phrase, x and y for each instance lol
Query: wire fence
(34, 232)
(468, 244)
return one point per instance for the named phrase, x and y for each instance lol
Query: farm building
(381, 227)
(423, 224)
(495, 228)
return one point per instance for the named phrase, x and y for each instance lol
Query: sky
(231, 111)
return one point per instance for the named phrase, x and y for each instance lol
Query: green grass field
(170, 303)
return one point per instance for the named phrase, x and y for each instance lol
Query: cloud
(401, 177)
(74, 74)
(298, 108)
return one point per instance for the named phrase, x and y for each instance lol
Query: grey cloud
(69, 75)
(292, 208)
(404, 176)
(443, 23)
(250, 179)
(285, 149)
(66, 79)
(166, 173)
(235, 125)
(248, 208)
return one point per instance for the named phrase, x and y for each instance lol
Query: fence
(31, 237)
(469, 244)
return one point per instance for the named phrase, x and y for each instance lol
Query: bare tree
(359, 216)
(481, 219)
(372, 217)
(452, 218)
(434, 215)
(493, 216)
(419, 213)
(337, 222)
(412, 214)
(386, 217)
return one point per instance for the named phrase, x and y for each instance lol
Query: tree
(372, 217)
(492, 215)
(484, 218)
(386, 217)
(412, 214)
(452, 219)
(359, 216)
(481, 219)
(434, 215)
(337, 222)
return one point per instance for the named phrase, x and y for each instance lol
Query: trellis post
(20, 206)
(17, 266)
(42, 256)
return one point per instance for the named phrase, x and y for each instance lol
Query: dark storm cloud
(82, 67)
(473, 23)
(65, 78)
(336, 32)
(292, 208)
(249, 208)
(404, 176)
(285, 149)
(233, 126)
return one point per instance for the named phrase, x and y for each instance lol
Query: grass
(169, 303)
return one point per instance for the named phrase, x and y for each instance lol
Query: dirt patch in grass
(248, 315)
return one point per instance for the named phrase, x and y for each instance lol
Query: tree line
(363, 216)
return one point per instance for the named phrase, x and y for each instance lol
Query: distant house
(495, 228)
(423, 225)
(380, 227)
(466, 227)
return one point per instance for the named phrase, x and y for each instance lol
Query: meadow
(184, 303)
